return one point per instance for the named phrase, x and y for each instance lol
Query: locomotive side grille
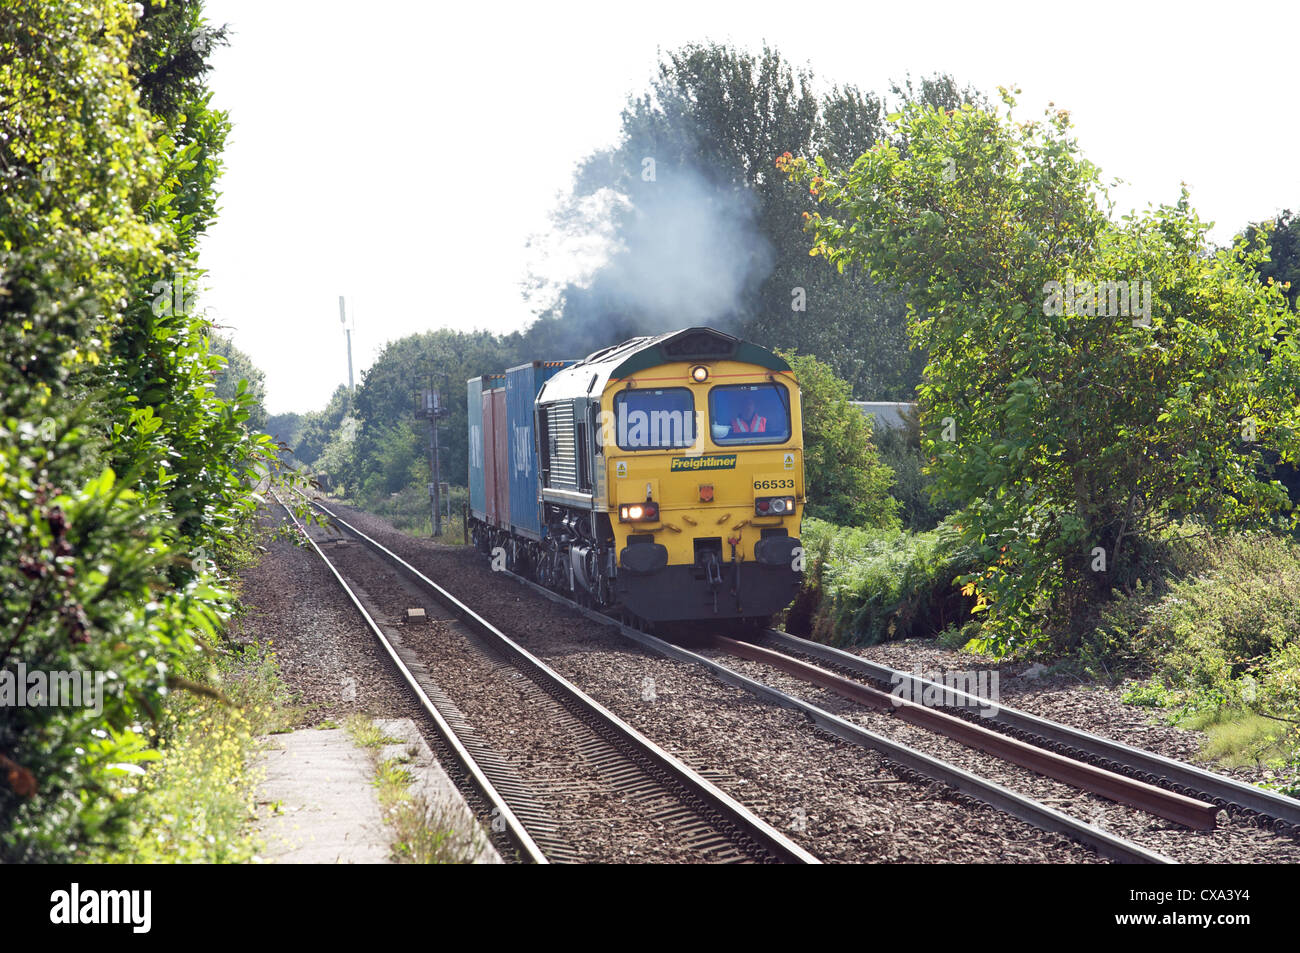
(564, 456)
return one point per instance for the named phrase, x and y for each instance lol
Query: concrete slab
(317, 802)
(328, 811)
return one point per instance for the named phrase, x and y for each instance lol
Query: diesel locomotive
(660, 478)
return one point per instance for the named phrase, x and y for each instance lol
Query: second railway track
(1267, 808)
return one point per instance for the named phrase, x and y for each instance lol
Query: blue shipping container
(474, 414)
(522, 384)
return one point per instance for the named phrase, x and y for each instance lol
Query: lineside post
(428, 404)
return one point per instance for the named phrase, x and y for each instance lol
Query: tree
(122, 476)
(1279, 240)
(846, 482)
(385, 402)
(899, 448)
(1071, 427)
(701, 230)
(708, 234)
(239, 375)
(1282, 266)
(286, 427)
(319, 427)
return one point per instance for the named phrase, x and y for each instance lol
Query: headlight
(638, 512)
(774, 505)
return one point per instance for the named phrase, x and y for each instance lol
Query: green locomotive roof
(591, 375)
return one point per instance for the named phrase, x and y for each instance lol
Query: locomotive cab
(671, 478)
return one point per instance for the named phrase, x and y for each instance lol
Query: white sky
(402, 153)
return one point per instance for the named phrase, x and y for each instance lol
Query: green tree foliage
(1282, 266)
(712, 237)
(286, 427)
(389, 452)
(319, 427)
(847, 483)
(122, 476)
(1279, 240)
(900, 450)
(238, 375)
(1070, 435)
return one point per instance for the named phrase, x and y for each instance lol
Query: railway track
(1267, 808)
(1174, 790)
(909, 761)
(671, 795)
(1173, 806)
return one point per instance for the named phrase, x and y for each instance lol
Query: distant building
(889, 414)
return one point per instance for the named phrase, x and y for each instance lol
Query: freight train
(660, 479)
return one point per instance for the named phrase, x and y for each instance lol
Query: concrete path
(317, 801)
(328, 812)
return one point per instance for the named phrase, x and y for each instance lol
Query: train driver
(749, 420)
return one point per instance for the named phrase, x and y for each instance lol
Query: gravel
(1068, 700)
(592, 817)
(837, 800)
(1235, 840)
(328, 659)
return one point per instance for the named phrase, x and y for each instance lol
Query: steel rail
(727, 809)
(515, 829)
(981, 789)
(1224, 792)
(1170, 805)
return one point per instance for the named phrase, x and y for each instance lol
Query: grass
(1235, 737)
(366, 734)
(421, 833)
(1240, 739)
(408, 511)
(196, 801)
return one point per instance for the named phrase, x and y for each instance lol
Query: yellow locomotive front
(696, 483)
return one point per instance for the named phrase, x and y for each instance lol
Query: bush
(1230, 635)
(124, 480)
(900, 450)
(870, 585)
(846, 481)
(1215, 636)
